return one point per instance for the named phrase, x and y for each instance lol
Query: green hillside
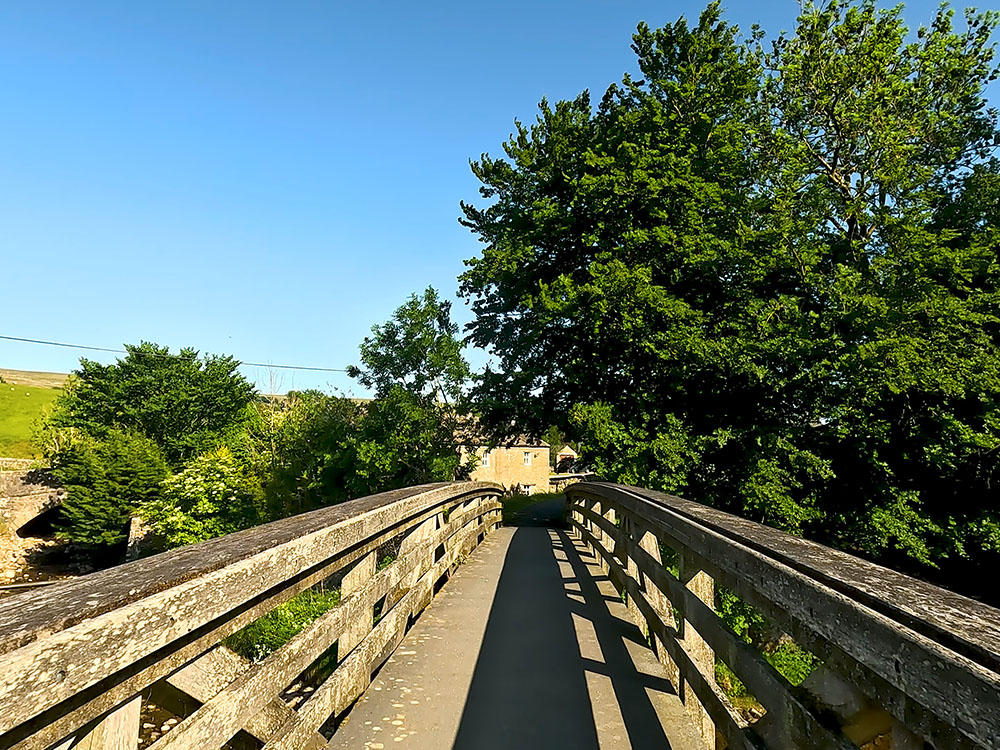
(20, 406)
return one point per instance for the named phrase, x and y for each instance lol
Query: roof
(523, 441)
(468, 433)
(567, 451)
(520, 441)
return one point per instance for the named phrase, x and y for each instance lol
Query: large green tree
(183, 402)
(417, 350)
(764, 276)
(414, 364)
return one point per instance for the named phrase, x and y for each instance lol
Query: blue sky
(268, 179)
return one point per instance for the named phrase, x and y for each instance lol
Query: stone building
(522, 466)
(565, 459)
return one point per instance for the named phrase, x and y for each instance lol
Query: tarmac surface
(528, 646)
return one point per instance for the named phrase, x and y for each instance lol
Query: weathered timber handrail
(78, 657)
(899, 657)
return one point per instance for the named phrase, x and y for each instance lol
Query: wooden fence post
(631, 533)
(659, 601)
(418, 537)
(354, 580)
(608, 511)
(701, 585)
(119, 730)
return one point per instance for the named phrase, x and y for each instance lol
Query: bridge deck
(528, 646)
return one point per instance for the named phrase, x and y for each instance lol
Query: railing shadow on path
(530, 685)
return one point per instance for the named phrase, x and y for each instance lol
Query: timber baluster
(82, 656)
(886, 669)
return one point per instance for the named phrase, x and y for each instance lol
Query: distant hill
(34, 379)
(23, 397)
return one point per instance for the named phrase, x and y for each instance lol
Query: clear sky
(269, 179)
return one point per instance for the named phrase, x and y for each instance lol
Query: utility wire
(159, 354)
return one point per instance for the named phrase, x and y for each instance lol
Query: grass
(267, 634)
(20, 407)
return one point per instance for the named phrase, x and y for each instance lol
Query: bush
(186, 403)
(267, 634)
(212, 496)
(790, 660)
(106, 481)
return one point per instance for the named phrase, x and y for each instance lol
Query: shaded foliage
(106, 481)
(764, 277)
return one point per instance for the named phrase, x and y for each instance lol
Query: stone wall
(24, 495)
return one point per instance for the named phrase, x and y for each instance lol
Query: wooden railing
(80, 658)
(902, 662)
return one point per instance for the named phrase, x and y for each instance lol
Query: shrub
(106, 481)
(212, 496)
(269, 633)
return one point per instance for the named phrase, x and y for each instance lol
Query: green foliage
(407, 434)
(116, 430)
(791, 661)
(20, 407)
(403, 439)
(301, 447)
(321, 449)
(183, 403)
(745, 621)
(556, 439)
(267, 634)
(211, 496)
(416, 350)
(106, 480)
(765, 277)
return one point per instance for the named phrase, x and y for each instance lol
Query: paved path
(527, 647)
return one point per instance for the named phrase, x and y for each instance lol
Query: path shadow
(550, 512)
(529, 689)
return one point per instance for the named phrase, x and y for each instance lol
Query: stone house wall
(507, 468)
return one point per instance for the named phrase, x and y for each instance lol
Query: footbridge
(589, 623)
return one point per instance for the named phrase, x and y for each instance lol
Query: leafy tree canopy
(765, 276)
(184, 403)
(417, 350)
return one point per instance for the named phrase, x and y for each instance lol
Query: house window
(527, 458)
(529, 489)
(486, 458)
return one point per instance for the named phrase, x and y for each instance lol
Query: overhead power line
(160, 354)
